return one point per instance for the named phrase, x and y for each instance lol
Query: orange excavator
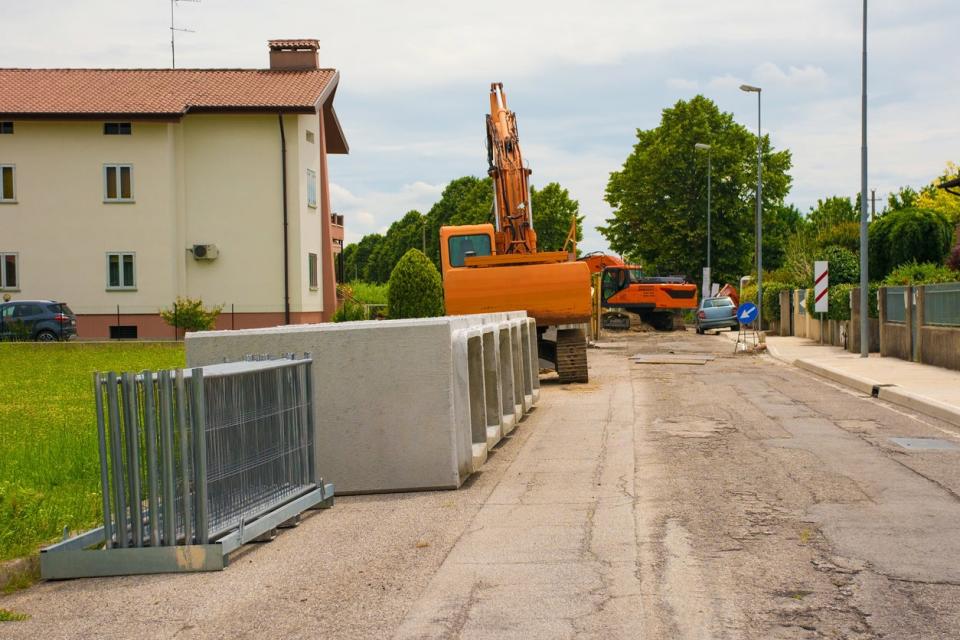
(490, 268)
(624, 286)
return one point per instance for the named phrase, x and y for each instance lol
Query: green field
(49, 467)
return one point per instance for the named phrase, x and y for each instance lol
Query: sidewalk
(931, 390)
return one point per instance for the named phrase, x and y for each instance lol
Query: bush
(189, 314)
(415, 287)
(926, 273)
(907, 235)
(844, 265)
(838, 304)
(771, 299)
(953, 260)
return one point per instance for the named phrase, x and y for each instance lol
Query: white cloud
(683, 84)
(373, 210)
(807, 77)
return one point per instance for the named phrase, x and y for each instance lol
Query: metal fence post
(104, 471)
(198, 423)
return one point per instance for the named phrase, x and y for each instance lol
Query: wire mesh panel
(190, 455)
(895, 307)
(941, 304)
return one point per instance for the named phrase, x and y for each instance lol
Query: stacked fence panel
(188, 456)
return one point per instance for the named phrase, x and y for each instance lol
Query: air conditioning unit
(205, 251)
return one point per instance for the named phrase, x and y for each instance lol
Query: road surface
(742, 498)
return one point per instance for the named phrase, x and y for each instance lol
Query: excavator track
(572, 355)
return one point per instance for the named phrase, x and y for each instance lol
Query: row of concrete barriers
(402, 405)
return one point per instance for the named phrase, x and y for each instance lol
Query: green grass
(49, 466)
(368, 292)
(12, 616)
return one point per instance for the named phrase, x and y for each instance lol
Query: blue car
(716, 313)
(40, 320)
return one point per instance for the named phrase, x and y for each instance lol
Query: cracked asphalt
(739, 499)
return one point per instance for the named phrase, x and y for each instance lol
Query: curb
(889, 393)
(864, 385)
(929, 406)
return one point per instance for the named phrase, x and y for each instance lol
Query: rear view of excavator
(489, 268)
(654, 299)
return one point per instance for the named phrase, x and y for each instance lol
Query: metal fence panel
(895, 309)
(189, 456)
(941, 304)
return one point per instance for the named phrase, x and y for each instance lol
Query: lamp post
(708, 276)
(864, 276)
(750, 89)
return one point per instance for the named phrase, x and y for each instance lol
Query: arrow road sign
(747, 313)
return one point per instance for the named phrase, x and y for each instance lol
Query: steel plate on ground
(672, 358)
(924, 444)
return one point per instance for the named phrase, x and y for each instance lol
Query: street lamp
(708, 275)
(864, 264)
(750, 89)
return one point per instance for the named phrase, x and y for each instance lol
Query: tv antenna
(173, 32)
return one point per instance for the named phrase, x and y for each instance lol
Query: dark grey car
(41, 320)
(716, 313)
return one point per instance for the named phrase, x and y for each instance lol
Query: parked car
(41, 320)
(716, 313)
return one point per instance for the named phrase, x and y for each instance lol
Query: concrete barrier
(401, 404)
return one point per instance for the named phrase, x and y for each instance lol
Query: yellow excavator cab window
(472, 245)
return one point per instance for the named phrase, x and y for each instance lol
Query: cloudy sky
(581, 76)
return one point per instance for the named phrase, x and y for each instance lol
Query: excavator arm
(514, 215)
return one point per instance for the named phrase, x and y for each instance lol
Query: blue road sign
(747, 313)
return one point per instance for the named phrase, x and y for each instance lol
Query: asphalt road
(742, 498)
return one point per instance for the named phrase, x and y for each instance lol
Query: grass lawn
(49, 465)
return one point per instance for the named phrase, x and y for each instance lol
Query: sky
(582, 77)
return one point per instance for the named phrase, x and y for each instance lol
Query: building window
(310, 137)
(121, 270)
(8, 192)
(9, 273)
(312, 264)
(311, 188)
(118, 183)
(117, 128)
(7, 127)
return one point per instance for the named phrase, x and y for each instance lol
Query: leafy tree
(415, 288)
(779, 223)
(404, 234)
(833, 211)
(553, 208)
(466, 200)
(953, 260)
(659, 195)
(358, 254)
(189, 314)
(842, 234)
(904, 198)
(933, 198)
(907, 235)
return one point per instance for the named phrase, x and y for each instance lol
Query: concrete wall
(400, 404)
(786, 316)
(853, 327)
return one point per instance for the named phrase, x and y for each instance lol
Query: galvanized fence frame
(195, 463)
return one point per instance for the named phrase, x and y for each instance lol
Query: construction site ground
(739, 498)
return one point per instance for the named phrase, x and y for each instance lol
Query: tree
(833, 211)
(403, 235)
(904, 198)
(907, 235)
(466, 200)
(844, 264)
(659, 195)
(358, 254)
(552, 211)
(779, 223)
(415, 288)
(932, 198)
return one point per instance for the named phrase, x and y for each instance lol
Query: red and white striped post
(821, 285)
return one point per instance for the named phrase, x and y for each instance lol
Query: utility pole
(873, 205)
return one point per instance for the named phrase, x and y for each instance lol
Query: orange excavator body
(489, 268)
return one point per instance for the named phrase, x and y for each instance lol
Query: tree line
(466, 200)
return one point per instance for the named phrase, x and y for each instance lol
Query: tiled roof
(303, 43)
(159, 92)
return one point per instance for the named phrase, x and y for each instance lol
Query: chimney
(294, 54)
